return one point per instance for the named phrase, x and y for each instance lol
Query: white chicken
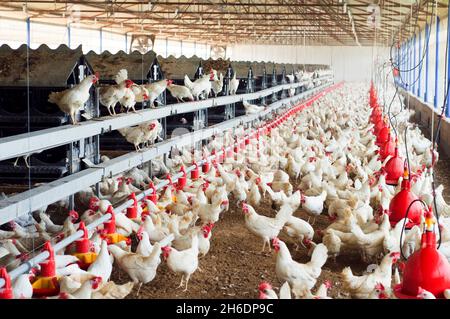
(71, 100)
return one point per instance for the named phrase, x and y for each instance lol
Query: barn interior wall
(349, 63)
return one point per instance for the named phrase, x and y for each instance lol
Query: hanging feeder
(427, 268)
(383, 135)
(46, 284)
(182, 181)
(388, 148)
(109, 230)
(132, 211)
(6, 291)
(401, 201)
(206, 166)
(83, 249)
(394, 169)
(153, 196)
(195, 174)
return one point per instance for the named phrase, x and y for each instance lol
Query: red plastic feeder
(400, 202)
(83, 249)
(388, 148)
(426, 269)
(153, 196)
(383, 135)
(132, 210)
(109, 230)
(206, 167)
(6, 291)
(195, 173)
(46, 284)
(182, 180)
(394, 169)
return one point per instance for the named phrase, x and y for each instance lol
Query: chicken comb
(379, 286)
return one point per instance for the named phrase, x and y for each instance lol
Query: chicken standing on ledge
(71, 100)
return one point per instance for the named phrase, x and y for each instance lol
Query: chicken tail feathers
(187, 82)
(54, 97)
(319, 256)
(121, 76)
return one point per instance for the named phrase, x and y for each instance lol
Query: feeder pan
(6, 291)
(383, 135)
(182, 180)
(132, 211)
(83, 252)
(109, 233)
(388, 148)
(153, 196)
(378, 125)
(195, 174)
(46, 284)
(400, 202)
(394, 169)
(427, 268)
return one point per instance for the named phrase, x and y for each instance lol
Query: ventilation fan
(217, 52)
(142, 43)
(374, 18)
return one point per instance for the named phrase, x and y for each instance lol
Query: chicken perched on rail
(138, 135)
(252, 108)
(201, 86)
(180, 92)
(71, 100)
(112, 94)
(217, 83)
(155, 89)
(234, 84)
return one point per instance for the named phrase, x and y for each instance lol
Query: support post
(419, 81)
(28, 32)
(436, 68)
(427, 60)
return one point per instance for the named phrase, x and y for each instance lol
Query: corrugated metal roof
(175, 68)
(45, 68)
(107, 64)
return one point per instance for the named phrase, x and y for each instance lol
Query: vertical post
(436, 68)
(167, 47)
(68, 35)
(181, 47)
(419, 81)
(411, 64)
(427, 60)
(101, 40)
(413, 88)
(447, 110)
(28, 32)
(126, 42)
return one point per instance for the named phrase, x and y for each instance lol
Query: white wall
(349, 63)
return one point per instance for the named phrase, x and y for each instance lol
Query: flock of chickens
(323, 160)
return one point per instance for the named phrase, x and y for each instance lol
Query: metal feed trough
(175, 69)
(27, 77)
(141, 68)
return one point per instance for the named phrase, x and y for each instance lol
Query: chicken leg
(74, 121)
(187, 281)
(139, 289)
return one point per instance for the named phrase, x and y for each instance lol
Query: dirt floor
(235, 265)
